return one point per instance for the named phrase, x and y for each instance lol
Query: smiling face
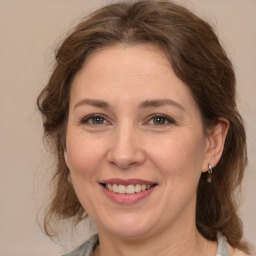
(135, 144)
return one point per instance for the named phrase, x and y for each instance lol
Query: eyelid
(84, 120)
(157, 115)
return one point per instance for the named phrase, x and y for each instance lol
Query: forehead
(129, 72)
(126, 60)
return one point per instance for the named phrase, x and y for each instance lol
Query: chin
(129, 227)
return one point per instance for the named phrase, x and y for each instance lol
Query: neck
(185, 243)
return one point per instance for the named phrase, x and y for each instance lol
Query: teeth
(121, 189)
(130, 189)
(109, 187)
(137, 188)
(115, 188)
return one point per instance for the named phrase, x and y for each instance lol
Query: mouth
(127, 189)
(129, 186)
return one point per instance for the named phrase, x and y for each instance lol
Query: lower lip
(127, 198)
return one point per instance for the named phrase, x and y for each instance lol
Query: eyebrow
(160, 102)
(144, 104)
(92, 102)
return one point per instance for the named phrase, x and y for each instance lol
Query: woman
(140, 111)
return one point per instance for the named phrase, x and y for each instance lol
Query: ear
(216, 137)
(66, 158)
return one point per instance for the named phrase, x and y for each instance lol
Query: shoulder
(224, 248)
(236, 252)
(86, 248)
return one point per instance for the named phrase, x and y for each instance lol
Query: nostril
(125, 155)
(124, 165)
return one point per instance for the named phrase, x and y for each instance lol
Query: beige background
(29, 31)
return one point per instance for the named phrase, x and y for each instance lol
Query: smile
(129, 189)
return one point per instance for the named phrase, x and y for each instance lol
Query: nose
(126, 149)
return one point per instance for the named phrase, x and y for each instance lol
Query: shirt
(88, 247)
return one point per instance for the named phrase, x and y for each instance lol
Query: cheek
(83, 154)
(179, 155)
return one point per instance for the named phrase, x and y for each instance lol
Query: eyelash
(167, 119)
(89, 119)
(85, 120)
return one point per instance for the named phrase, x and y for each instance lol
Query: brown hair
(197, 58)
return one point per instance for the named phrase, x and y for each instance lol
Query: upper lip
(126, 181)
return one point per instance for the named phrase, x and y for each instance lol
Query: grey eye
(94, 120)
(97, 120)
(160, 120)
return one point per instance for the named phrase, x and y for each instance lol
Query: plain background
(29, 32)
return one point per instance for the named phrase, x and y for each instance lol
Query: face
(135, 144)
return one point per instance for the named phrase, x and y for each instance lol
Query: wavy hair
(197, 58)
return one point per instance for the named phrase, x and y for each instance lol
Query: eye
(94, 119)
(160, 120)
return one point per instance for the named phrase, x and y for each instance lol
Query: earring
(209, 179)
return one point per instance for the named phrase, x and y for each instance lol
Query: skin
(127, 140)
